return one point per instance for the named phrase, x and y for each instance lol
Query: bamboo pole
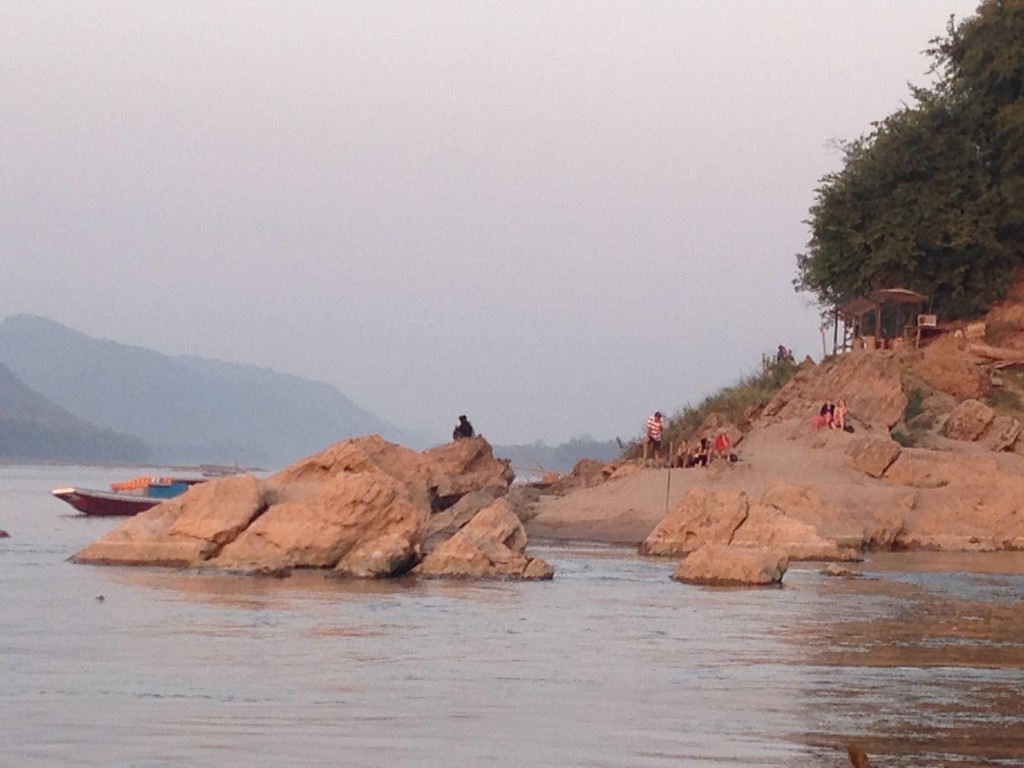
(668, 488)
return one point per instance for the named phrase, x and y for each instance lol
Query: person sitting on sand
(462, 429)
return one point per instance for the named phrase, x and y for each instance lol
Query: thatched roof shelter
(852, 311)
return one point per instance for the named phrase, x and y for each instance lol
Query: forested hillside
(34, 429)
(186, 409)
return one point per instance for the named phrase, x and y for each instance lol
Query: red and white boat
(128, 497)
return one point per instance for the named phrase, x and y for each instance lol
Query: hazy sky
(555, 217)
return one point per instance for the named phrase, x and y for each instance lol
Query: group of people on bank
(831, 415)
(703, 451)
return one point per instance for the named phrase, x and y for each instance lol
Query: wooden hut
(853, 313)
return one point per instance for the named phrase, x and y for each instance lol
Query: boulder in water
(725, 566)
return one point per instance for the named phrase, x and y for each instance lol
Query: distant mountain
(538, 458)
(186, 409)
(34, 429)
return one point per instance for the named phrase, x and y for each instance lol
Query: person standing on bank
(653, 437)
(462, 429)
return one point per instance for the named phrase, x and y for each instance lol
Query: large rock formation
(871, 383)
(184, 531)
(330, 525)
(704, 518)
(443, 524)
(946, 382)
(701, 518)
(874, 456)
(435, 479)
(491, 545)
(1002, 434)
(586, 473)
(973, 421)
(362, 508)
(770, 526)
(960, 502)
(968, 420)
(943, 366)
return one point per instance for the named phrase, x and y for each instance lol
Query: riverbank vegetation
(736, 404)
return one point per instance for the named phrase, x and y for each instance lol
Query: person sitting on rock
(682, 456)
(722, 447)
(839, 416)
(462, 429)
(824, 416)
(699, 458)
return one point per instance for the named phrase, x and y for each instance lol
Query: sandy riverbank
(934, 499)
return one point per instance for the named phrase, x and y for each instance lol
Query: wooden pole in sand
(668, 482)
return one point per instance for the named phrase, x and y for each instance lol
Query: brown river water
(920, 662)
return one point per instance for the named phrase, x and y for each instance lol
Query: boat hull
(104, 504)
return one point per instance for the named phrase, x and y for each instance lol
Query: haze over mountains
(184, 409)
(67, 396)
(33, 428)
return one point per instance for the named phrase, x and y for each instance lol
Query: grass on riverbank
(736, 403)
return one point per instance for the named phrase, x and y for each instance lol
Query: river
(920, 661)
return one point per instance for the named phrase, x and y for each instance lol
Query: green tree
(926, 199)
(982, 63)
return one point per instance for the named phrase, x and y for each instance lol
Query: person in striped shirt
(653, 437)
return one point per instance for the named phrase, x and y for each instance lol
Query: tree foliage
(932, 198)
